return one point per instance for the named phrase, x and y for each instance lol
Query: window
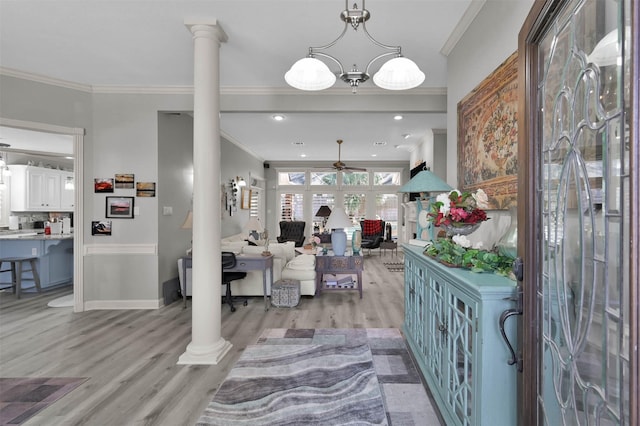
(355, 178)
(324, 178)
(291, 206)
(354, 206)
(254, 209)
(387, 178)
(387, 210)
(291, 178)
(317, 201)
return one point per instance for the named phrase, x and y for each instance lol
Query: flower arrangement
(315, 240)
(457, 208)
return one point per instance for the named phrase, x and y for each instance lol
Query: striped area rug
(322, 377)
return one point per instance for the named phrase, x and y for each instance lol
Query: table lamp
(338, 220)
(424, 182)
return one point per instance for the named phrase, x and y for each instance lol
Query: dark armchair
(372, 233)
(292, 231)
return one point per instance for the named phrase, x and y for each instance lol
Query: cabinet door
(436, 328)
(35, 189)
(460, 354)
(67, 190)
(51, 192)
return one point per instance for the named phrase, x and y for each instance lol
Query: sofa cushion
(234, 246)
(299, 274)
(302, 262)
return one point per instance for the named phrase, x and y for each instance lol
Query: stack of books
(338, 281)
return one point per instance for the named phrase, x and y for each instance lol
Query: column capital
(209, 28)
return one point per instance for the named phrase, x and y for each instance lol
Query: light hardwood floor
(130, 356)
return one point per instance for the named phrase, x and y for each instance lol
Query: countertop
(32, 234)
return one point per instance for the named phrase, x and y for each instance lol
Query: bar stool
(17, 271)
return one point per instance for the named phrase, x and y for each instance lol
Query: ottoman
(285, 293)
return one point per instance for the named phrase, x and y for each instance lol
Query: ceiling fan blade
(354, 169)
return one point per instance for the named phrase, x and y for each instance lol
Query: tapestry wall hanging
(488, 136)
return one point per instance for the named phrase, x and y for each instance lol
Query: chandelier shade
(399, 74)
(311, 73)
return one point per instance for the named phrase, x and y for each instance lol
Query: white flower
(482, 200)
(446, 204)
(462, 241)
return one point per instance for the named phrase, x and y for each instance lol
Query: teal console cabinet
(452, 327)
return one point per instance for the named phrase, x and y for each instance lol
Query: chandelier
(398, 73)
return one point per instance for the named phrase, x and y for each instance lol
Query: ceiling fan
(339, 165)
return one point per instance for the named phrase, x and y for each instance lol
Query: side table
(328, 264)
(389, 245)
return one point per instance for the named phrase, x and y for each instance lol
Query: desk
(327, 264)
(244, 263)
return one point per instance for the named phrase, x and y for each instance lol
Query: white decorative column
(207, 345)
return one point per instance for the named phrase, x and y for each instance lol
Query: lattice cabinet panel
(456, 340)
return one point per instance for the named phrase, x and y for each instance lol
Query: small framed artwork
(145, 189)
(124, 180)
(103, 185)
(119, 207)
(245, 198)
(101, 227)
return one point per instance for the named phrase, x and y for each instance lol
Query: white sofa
(286, 265)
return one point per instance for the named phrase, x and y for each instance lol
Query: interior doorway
(46, 146)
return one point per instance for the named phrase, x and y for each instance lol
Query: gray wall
(174, 189)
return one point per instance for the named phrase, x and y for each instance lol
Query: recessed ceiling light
(406, 135)
(278, 117)
(303, 155)
(374, 155)
(398, 117)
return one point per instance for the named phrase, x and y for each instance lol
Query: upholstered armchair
(292, 231)
(372, 233)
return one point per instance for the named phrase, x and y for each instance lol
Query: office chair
(228, 262)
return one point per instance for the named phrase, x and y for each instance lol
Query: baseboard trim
(94, 305)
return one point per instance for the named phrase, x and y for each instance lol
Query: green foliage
(476, 260)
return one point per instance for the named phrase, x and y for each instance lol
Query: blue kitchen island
(54, 253)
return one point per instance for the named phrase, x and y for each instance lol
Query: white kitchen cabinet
(67, 190)
(38, 189)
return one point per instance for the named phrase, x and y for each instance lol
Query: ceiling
(104, 44)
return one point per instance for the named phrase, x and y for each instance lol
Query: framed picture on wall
(124, 180)
(119, 207)
(103, 185)
(101, 227)
(145, 189)
(245, 199)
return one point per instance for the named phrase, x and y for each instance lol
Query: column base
(205, 355)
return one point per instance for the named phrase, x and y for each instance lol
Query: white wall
(489, 41)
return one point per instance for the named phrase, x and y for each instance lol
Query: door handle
(514, 358)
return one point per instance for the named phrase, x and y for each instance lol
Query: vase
(339, 241)
(460, 228)
(507, 245)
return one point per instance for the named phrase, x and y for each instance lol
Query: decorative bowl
(460, 228)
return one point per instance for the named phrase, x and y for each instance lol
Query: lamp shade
(310, 74)
(253, 225)
(338, 219)
(425, 181)
(399, 73)
(188, 221)
(323, 211)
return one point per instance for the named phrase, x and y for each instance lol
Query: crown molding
(225, 90)
(38, 78)
(469, 15)
(228, 137)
